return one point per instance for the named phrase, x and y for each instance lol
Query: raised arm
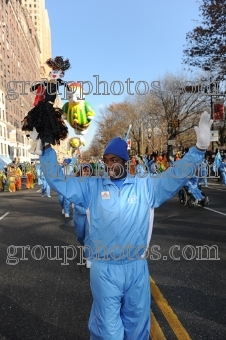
(165, 185)
(73, 188)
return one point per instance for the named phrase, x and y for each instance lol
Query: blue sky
(116, 40)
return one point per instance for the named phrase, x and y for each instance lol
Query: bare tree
(206, 44)
(180, 110)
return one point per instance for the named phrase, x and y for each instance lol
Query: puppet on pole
(44, 122)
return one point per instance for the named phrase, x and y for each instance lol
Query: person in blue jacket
(204, 171)
(65, 204)
(45, 186)
(193, 188)
(222, 169)
(120, 212)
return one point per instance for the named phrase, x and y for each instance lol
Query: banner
(218, 110)
(214, 136)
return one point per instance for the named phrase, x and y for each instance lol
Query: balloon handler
(120, 212)
(45, 119)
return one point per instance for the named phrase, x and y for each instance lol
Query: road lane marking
(167, 311)
(156, 332)
(218, 212)
(218, 188)
(1, 217)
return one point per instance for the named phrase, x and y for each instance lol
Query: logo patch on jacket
(105, 195)
(132, 199)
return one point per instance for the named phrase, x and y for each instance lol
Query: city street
(43, 298)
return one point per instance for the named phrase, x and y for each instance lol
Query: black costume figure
(44, 117)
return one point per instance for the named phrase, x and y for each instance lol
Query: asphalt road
(42, 298)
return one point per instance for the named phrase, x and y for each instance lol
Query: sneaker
(42, 195)
(48, 196)
(63, 211)
(196, 201)
(66, 215)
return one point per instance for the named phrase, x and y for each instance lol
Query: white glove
(36, 147)
(203, 131)
(34, 134)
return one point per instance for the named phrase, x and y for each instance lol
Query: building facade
(19, 68)
(40, 18)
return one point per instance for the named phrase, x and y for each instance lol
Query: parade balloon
(77, 111)
(75, 143)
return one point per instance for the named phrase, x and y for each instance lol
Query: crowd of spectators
(14, 176)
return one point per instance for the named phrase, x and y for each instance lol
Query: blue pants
(203, 178)
(223, 174)
(80, 220)
(65, 204)
(45, 187)
(39, 176)
(121, 301)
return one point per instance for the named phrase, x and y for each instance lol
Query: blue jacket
(119, 222)
(222, 167)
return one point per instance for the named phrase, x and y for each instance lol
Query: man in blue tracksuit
(120, 211)
(222, 169)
